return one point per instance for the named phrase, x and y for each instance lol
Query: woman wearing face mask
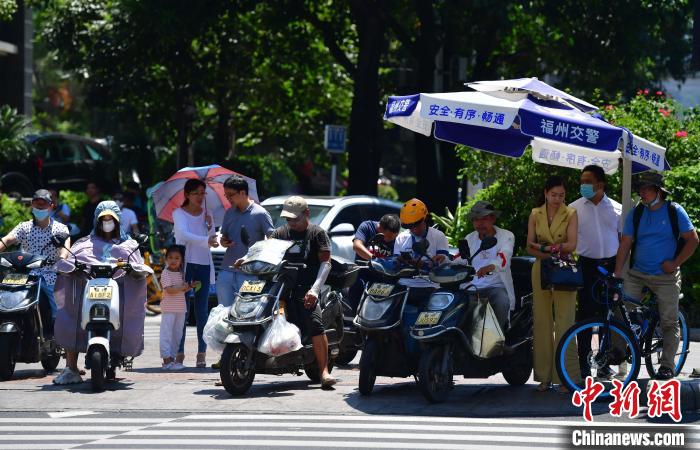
(34, 236)
(106, 243)
(552, 228)
(193, 228)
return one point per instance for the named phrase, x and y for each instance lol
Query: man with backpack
(661, 237)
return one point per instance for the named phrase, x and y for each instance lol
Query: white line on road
(362, 426)
(91, 420)
(63, 414)
(493, 437)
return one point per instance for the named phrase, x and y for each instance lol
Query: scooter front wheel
(234, 376)
(97, 370)
(368, 366)
(7, 358)
(50, 361)
(434, 382)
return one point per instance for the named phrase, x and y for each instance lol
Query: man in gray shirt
(244, 213)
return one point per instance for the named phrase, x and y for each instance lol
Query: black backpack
(672, 217)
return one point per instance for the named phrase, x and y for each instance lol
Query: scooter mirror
(141, 238)
(59, 239)
(406, 256)
(488, 242)
(463, 246)
(377, 239)
(421, 247)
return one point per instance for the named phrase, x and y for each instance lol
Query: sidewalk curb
(689, 391)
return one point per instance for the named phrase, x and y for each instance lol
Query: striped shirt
(172, 303)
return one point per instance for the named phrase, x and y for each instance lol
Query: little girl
(172, 307)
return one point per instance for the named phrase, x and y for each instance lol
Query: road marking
(62, 414)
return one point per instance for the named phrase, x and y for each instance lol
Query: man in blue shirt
(658, 253)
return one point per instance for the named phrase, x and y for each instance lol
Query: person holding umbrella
(193, 228)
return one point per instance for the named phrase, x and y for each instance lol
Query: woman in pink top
(173, 307)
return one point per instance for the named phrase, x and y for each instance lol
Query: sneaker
(177, 366)
(328, 382)
(201, 360)
(604, 374)
(664, 373)
(68, 376)
(216, 365)
(167, 366)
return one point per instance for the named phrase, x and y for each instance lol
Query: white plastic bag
(216, 330)
(280, 338)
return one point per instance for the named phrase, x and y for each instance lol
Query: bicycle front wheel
(654, 344)
(613, 346)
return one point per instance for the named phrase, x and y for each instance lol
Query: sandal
(544, 386)
(201, 360)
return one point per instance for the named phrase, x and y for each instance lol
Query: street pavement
(150, 408)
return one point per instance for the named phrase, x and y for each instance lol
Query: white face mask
(108, 226)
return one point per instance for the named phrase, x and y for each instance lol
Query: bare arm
(7, 241)
(623, 253)
(691, 244)
(361, 250)
(532, 246)
(571, 235)
(63, 251)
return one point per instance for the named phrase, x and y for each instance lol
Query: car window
(317, 213)
(377, 211)
(352, 214)
(94, 154)
(60, 150)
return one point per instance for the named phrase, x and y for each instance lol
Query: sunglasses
(410, 226)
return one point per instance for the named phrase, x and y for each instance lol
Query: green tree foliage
(13, 128)
(7, 9)
(12, 212)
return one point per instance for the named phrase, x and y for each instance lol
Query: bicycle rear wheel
(654, 342)
(617, 347)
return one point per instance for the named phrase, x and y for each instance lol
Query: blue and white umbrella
(506, 121)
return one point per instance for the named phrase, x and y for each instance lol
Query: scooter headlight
(34, 265)
(258, 268)
(247, 307)
(13, 300)
(373, 309)
(440, 300)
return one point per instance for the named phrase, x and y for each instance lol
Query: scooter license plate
(100, 293)
(380, 289)
(252, 287)
(16, 279)
(428, 318)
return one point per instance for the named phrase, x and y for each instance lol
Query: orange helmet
(413, 211)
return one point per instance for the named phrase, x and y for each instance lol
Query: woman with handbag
(552, 229)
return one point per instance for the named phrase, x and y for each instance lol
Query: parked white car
(339, 216)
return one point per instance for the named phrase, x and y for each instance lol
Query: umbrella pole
(626, 199)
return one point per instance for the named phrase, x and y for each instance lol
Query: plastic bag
(216, 330)
(486, 339)
(280, 338)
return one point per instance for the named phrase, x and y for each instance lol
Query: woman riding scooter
(106, 242)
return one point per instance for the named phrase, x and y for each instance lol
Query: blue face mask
(40, 214)
(587, 191)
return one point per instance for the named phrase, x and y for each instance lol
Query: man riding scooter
(413, 216)
(493, 277)
(313, 248)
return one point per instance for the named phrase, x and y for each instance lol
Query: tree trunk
(429, 185)
(365, 129)
(223, 137)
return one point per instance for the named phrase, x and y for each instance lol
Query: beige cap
(294, 206)
(108, 212)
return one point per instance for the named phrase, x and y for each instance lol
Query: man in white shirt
(413, 218)
(597, 243)
(493, 277)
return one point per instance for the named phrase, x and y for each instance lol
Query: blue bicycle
(630, 331)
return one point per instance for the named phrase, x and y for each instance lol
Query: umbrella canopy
(532, 86)
(170, 195)
(505, 123)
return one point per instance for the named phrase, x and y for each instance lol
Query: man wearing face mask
(661, 237)
(597, 244)
(34, 236)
